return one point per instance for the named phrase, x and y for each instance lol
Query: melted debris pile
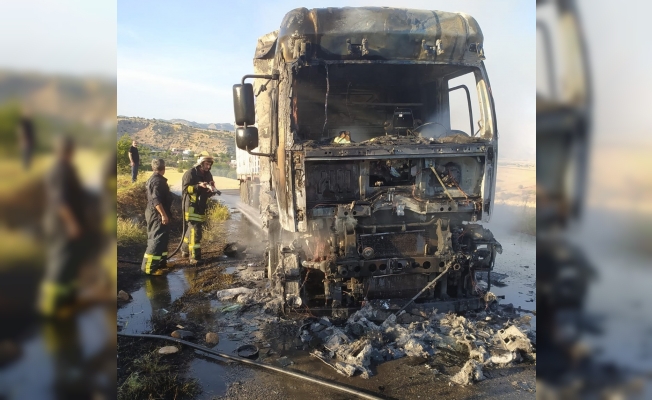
(374, 335)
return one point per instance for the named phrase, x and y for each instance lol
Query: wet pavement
(276, 337)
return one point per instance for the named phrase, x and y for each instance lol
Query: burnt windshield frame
(372, 97)
(468, 103)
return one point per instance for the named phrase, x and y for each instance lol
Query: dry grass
(89, 165)
(216, 213)
(19, 249)
(131, 197)
(124, 180)
(129, 232)
(209, 280)
(150, 378)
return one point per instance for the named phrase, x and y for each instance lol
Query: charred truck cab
(382, 214)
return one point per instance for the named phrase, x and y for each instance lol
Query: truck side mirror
(243, 104)
(246, 137)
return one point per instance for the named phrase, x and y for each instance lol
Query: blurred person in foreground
(197, 183)
(157, 215)
(27, 138)
(567, 367)
(110, 220)
(134, 160)
(65, 225)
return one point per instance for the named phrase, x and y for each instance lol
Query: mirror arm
(274, 76)
(270, 155)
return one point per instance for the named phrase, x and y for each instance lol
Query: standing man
(198, 185)
(66, 228)
(27, 138)
(157, 215)
(134, 159)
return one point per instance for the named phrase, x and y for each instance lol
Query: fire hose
(183, 229)
(334, 386)
(183, 234)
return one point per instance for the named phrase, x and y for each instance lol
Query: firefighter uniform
(158, 235)
(65, 254)
(195, 209)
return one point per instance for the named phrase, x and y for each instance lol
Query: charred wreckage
(383, 213)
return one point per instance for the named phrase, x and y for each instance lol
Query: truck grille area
(392, 244)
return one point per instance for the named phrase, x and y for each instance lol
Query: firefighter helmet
(204, 156)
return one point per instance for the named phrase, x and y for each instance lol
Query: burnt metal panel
(380, 33)
(398, 286)
(266, 47)
(361, 152)
(389, 244)
(332, 182)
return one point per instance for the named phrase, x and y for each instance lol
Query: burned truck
(368, 142)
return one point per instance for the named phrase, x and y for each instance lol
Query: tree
(146, 157)
(124, 144)
(9, 118)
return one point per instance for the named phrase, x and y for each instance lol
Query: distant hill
(90, 101)
(212, 126)
(159, 134)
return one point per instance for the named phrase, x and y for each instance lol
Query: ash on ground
(353, 345)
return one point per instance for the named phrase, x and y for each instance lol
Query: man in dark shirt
(197, 183)
(157, 215)
(134, 159)
(27, 139)
(65, 229)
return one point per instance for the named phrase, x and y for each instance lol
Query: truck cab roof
(380, 33)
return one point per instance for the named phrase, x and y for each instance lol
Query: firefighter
(157, 215)
(197, 183)
(66, 227)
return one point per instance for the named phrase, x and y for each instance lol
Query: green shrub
(216, 213)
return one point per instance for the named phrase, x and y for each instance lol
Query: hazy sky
(180, 59)
(71, 37)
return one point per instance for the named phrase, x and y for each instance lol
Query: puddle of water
(209, 371)
(227, 346)
(32, 376)
(60, 354)
(210, 375)
(156, 295)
